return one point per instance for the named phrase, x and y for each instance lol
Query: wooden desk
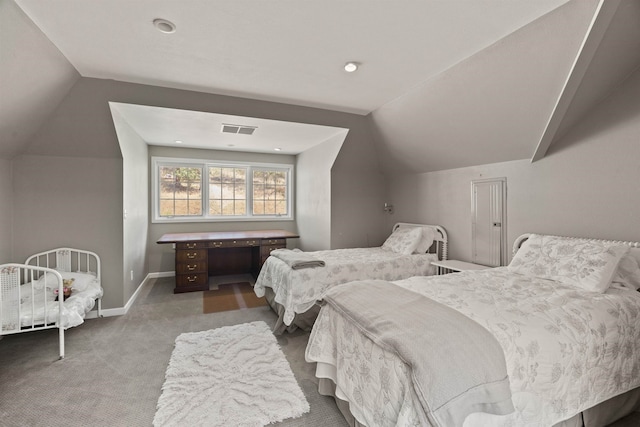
(200, 255)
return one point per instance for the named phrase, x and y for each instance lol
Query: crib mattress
(75, 307)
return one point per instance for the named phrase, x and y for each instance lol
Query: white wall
(6, 211)
(587, 185)
(135, 201)
(313, 193)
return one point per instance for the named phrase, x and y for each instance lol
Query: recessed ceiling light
(178, 141)
(164, 26)
(277, 149)
(350, 67)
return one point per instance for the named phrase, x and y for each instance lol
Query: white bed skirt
(600, 415)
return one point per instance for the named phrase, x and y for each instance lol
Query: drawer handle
(191, 267)
(191, 245)
(191, 255)
(191, 279)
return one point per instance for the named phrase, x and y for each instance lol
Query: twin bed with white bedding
(29, 292)
(565, 314)
(293, 290)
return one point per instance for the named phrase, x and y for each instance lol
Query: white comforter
(566, 349)
(298, 290)
(75, 307)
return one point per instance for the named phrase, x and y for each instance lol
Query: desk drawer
(191, 280)
(282, 243)
(189, 255)
(191, 245)
(265, 251)
(238, 243)
(188, 267)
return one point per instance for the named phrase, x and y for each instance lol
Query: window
(187, 190)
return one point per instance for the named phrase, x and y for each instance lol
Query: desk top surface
(226, 235)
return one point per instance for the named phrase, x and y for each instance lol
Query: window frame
(205, 164)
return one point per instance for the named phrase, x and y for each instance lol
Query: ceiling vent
(243, 130)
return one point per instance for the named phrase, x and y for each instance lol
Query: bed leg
(99, 307)
(61, 339)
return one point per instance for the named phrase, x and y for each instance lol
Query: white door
(488, 217)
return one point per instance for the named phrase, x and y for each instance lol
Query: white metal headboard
(517, 244)
(441, 239)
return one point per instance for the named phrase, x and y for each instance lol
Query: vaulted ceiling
(443, 84)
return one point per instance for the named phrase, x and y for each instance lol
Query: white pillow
(428, 236)
(403, 240)
(628, 272)
(586, 264)
(81, 281)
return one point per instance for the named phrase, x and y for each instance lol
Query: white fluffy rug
(230, 376)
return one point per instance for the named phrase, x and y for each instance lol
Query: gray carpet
(114, 367)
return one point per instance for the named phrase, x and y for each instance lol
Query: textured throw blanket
(296, 259)
(457, 366)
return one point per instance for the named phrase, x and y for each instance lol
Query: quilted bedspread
(298, 290)
(566, 349)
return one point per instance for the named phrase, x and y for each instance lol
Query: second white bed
(293, 292)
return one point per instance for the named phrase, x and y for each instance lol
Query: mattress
(74, 310)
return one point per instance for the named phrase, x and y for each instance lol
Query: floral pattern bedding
(298, 290)
(566, 349)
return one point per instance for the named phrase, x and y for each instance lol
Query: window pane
(215, 207)
(281, 208)
(270, 192)
(180, 191)
(280, 178)
(241, 207)
(227, 191)
(215, 191)
(166, 207)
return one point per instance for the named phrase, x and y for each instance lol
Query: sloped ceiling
(445, 84)
(34, 78)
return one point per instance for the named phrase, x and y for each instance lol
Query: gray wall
(74, 202)
(588, 185)
(6, 211)
(358, 192)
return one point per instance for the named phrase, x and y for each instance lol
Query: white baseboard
(120, 311)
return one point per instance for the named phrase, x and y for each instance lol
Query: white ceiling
(279, 50)
(288, 51)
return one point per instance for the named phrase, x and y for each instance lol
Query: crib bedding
(298, 290)
(74, 309)
(566, 349)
